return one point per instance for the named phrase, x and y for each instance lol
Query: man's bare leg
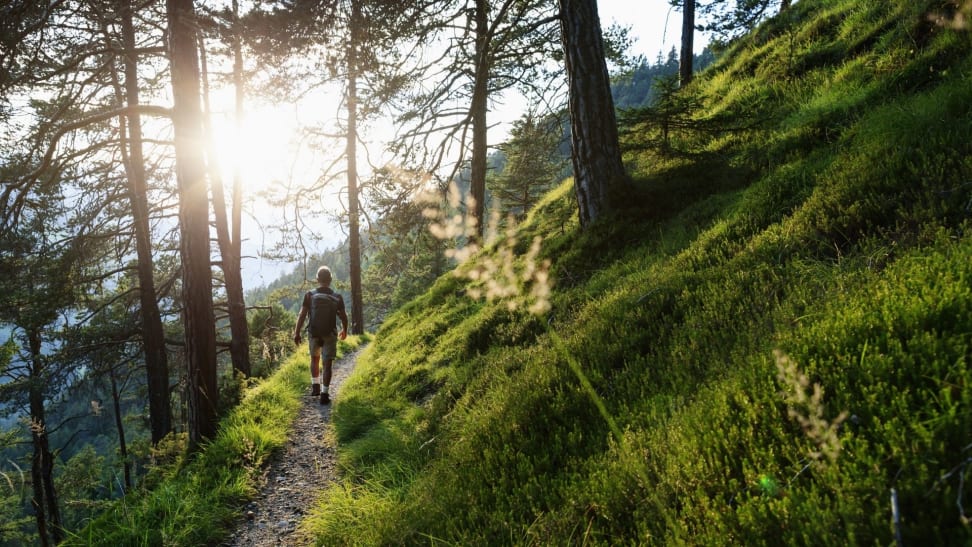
(326, 381)
(315, 378)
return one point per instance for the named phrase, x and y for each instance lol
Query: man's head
(324, 276)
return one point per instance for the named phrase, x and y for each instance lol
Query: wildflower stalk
(496, 277)
(807, 409)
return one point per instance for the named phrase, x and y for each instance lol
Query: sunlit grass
(194, 502)
(835, 250)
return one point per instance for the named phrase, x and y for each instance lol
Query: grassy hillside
(779, 326)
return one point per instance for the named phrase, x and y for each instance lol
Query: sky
(655, 27)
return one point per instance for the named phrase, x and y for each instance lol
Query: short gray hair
(323, 275)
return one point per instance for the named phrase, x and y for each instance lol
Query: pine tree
(533, 163)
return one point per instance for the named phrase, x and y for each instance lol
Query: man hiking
(322, 306)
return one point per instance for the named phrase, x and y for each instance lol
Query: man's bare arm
(300, 324)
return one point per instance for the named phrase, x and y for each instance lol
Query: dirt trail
(296, 475)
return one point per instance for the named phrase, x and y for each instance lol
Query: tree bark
(120, 426)
(153, 335)
(599, 174)
(44, 501)
(688, 37)
(240, 327)
(194, 248)
(477, 183)
(37, 485)
(354, 236)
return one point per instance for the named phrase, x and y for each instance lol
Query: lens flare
(769, 485)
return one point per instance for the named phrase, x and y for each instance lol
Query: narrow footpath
(296, 475)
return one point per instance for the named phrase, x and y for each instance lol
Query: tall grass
(194, 501)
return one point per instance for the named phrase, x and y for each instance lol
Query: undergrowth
(192, 500)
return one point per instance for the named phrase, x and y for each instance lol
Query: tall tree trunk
(688, 37)
(240, 328)
(44, 502)
(232, 276)
(599, 174)
(354, 237)
(197, 297)
(238, 119)
(153, 334)
(477, 183)
(37, 485)
(120, 426)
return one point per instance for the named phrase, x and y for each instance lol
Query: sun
(260, 148)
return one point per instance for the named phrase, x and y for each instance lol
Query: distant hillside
(301, 279)
(769, 346)
(638, 87)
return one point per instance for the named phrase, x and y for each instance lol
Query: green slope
(814, 234)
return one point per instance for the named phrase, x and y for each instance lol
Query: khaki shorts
(325, 347)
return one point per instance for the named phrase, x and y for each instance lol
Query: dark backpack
(323, 313)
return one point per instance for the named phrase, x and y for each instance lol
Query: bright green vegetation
(818, 236)
(194, 501)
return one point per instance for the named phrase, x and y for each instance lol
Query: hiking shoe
(315, 390)
(325, 399)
